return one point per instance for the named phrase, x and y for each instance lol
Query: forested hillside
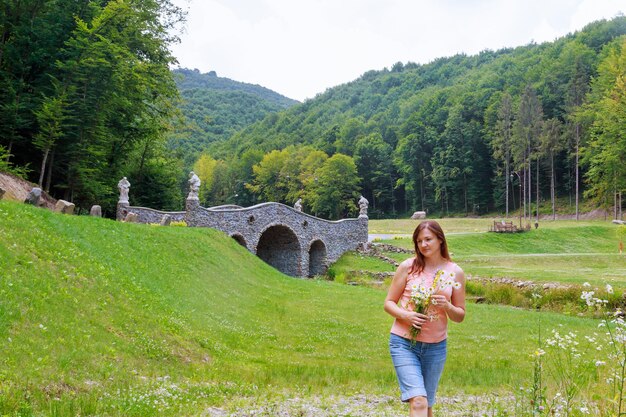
(86, 97)
(214, 108)
(464, 134)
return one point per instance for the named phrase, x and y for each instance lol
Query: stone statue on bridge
(363, 205)
(298, 205)
(123, 186)
(194, 186)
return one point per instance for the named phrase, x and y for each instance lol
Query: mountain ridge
(214, 108)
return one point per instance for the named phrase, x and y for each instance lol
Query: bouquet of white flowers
(420, 299)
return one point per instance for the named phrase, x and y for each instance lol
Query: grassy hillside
(106, 318)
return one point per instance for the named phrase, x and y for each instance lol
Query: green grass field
(110, 319)
(469, 225)
(561, 251)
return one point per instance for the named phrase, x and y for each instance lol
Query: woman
(418, 341)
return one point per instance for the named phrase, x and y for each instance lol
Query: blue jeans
(418, 367)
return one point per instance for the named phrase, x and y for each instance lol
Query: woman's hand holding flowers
(415, 319)
(440, 301)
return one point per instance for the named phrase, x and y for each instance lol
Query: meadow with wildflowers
(105, 318)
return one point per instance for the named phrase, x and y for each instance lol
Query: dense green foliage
(214, 108)
(88, 97)
(107, 318)
(470, 134)
(606, 113)
(87, 94)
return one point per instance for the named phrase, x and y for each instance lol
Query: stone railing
(148, 215)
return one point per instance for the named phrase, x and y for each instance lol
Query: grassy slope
(97, 313)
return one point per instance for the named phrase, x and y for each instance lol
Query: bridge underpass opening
(317, 258)
(240, 239)
(279, 247)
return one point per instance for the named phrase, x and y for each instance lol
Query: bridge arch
(279, 247)
(317, 258)
(239, 239)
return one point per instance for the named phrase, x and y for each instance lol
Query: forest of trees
(462, 135)
(214, 108)
(88, 97)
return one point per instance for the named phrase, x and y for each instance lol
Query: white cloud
(301, 47)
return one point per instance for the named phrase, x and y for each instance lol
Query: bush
(565, 299)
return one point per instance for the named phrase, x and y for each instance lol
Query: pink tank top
(436, 327)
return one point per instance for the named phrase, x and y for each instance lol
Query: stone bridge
(293, 242)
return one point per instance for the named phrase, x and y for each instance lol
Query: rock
(1, 192)
(95, 211)
(132, 217)
(64, 207)
(33, 197)
(418, 215)
(619, 222)
(166, 220)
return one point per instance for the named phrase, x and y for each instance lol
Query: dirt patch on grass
(363, 406)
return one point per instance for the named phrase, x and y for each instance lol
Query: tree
(157, 182)
(222, 191)
(204, 168)
(526, 131)
(13, 116)
(269, 182)
(501, 142)
(51, 119)
(606, 108)
(551, 143)
(452, 160)
(243, 174)
(7, 166)
(578, 58)
(293, 170)
(349, 133)
(412, 159)
(308, 176)
(337, 188)
(372, 157)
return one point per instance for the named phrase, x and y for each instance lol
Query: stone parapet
(148, 215)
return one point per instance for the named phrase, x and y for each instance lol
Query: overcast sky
(299, 48)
